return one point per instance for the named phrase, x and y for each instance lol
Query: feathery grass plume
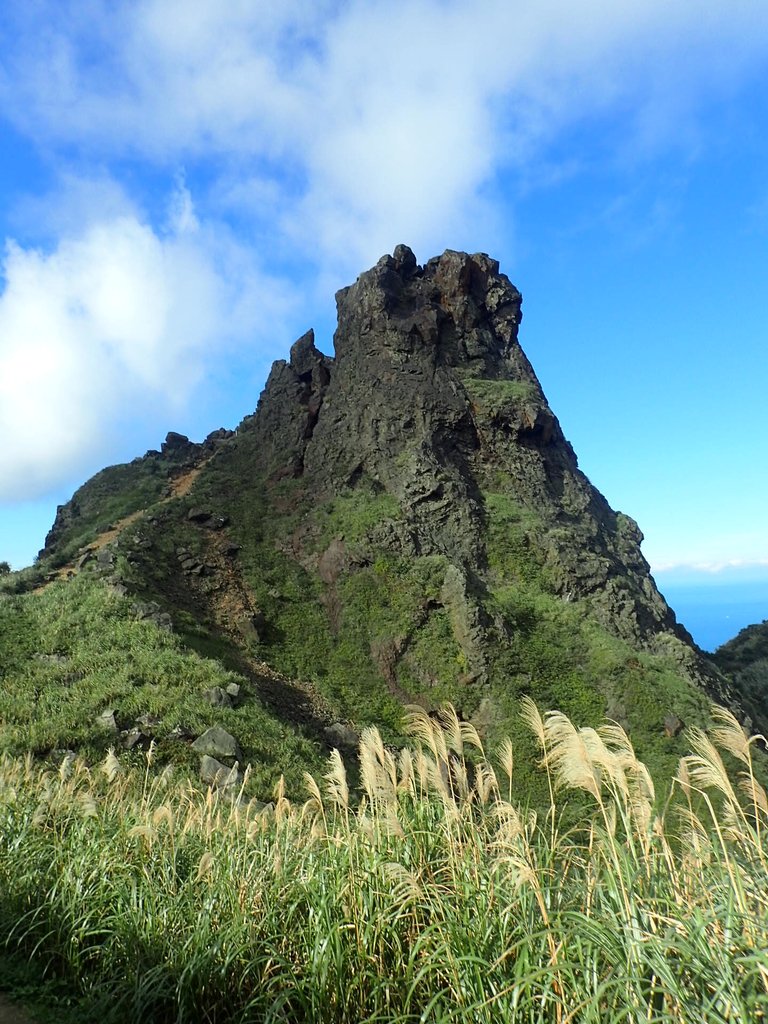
(568, 755)
(336, 785)
(378, 770)
(418, 724)
(471, 737)
(531, 716)
(405, 772)
(448, 721)
(205, 866)
(729, 735)
(163, 815)
(486, 783)
(404, 885)
(282, 803)
(610, 763)
(506, 758)
(65, 768)
(705, 766)
(509, 825)
(111, 765)
(756, 793)
(313, 789)
(145, 832)
(88, 806)
(459, 779)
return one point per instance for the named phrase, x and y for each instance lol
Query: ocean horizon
(715, 613)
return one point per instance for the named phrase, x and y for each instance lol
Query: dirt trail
(232, 606)
(13, 1013)
(180, 487)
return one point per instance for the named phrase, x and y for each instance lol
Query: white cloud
(395, 115)
(117, 318)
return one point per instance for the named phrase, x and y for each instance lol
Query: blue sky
(183, 186)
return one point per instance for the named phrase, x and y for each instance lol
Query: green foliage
(441, 898)
(353, 514)
(5, 568)
(499, 396)
(512, 553)
(745, 660)
(76, 649)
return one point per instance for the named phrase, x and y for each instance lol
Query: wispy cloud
(118, 319)
(394, 118)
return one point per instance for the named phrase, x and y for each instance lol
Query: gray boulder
(217, 742)
(220, 776)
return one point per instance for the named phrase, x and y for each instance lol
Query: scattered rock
(217, 742)
(106, 720)
(51, 659)
(340, 735)
(148, 722)
(252, 627)
(673, 726)
(216, 522)
(149, 611)
(134, 738)
(84, 559)
(220, 776)
(179, 732)
(198, 515)
(218, 697)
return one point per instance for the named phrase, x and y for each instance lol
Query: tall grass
(432, 897)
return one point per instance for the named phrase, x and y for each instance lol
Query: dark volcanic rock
(431, 398)
(409, 516)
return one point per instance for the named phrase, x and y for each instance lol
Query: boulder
(218, 697)
(106, 720)
(218, 775)
(217, 742)
(340, 735)
(673, 726)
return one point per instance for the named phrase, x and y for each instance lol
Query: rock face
(407, 521)
(431, 397)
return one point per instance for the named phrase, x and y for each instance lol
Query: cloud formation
(373, 120)
(118, 320)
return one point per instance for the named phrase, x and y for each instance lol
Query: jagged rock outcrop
(405, 521)
(431, 397)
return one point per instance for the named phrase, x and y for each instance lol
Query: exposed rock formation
(431, 397)
(406, 521)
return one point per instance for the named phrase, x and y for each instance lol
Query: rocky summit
(401, 522)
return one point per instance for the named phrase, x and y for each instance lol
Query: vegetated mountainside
(402, 523)
(744, 659)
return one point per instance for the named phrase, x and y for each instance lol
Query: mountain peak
(403, 521)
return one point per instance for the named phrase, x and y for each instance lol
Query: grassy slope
(745, 660)
(75, 649)
(443, 900)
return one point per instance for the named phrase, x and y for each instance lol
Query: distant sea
(714, 614)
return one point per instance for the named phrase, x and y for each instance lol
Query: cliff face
(431, 397)
(406, 521)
